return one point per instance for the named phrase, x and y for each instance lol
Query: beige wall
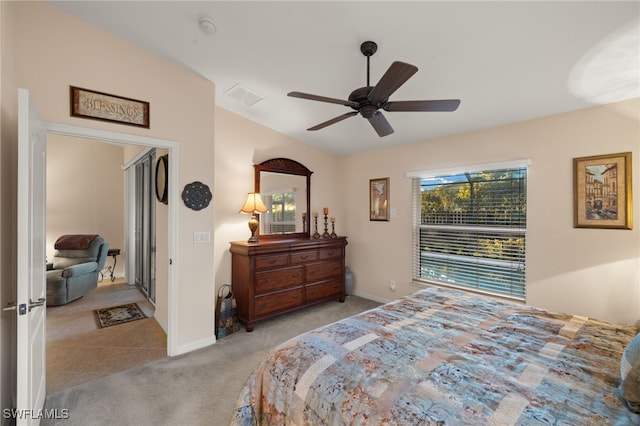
(590, 272)
(85, 192)
(581, 271)
(240, 144)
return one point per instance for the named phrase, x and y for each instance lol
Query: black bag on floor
(226, 317)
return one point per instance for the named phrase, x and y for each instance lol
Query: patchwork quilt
(444, 357)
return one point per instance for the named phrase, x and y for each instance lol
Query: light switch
(201, 237)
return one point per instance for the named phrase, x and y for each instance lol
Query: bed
(445, 357)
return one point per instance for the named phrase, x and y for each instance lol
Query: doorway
(166, 314)
(86, 194)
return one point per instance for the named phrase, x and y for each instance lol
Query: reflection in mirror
(285, 196)
(283, 185)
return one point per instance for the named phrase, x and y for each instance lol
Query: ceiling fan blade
(333, 120)
(380, 124)
(397, 74)
(439, 105)
(322, 99)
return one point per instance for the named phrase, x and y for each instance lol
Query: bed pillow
(630, 374)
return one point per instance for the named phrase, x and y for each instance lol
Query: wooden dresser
(274, 277)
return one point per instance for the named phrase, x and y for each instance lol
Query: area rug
(121, 314)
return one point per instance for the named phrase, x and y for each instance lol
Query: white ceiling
(506, 61)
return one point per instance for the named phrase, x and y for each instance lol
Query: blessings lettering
(104, 108)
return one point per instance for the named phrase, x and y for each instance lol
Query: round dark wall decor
(162, 179)
(196, 195)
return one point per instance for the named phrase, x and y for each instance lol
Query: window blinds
(470, 230)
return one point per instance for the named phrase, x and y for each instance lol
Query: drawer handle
(271, 262)
(304, 257)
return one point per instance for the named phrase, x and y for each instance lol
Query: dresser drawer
(277, 279)
(329, 253)
(323, 290)
(323, 270)
(304, 257)
(273, 261)
(278, 301)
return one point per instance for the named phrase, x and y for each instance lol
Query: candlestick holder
(304, 223)
(315, 221)
(333, 230)
(325, 234)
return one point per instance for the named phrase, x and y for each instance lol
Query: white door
(31, 306)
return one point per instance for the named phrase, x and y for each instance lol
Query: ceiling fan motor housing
(361, 96)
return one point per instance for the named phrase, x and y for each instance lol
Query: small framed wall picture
(379, 199)
(602, 191)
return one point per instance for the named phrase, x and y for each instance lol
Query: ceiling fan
(369, 100)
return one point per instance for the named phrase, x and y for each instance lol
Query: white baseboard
(192, 346)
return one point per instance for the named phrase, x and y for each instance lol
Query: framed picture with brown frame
(379, 199)
(602, 191)
(103, 106)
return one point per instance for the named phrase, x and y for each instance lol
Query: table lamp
(253, 205)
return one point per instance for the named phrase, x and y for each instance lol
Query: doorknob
(11, 306)
(37, 303)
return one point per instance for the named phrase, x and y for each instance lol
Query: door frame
(172, 249)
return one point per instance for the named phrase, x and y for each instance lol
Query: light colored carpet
(199, 388)
(79, 351)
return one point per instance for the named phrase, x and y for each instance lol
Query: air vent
(243, 95)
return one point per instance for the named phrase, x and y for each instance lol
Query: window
(281, 215)
(470, 229)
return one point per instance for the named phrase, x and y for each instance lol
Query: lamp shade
(253, 204)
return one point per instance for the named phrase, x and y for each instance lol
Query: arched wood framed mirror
(285, 188)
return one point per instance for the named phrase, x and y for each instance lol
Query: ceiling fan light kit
(369, 100)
